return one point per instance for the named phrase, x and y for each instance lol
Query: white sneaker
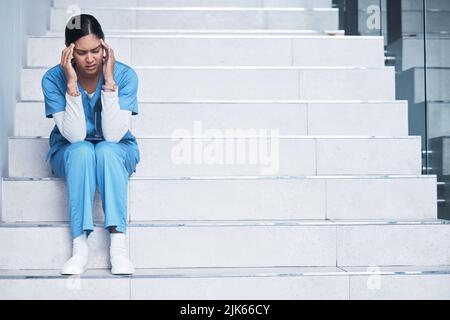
(78, 262)
(120, 263)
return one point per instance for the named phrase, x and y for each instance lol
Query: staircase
(334, 206)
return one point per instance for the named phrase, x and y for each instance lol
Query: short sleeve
(128, 89)
(55, 100)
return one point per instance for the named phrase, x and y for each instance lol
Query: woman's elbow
(112, 140)
(111, 137)
(75, 138)
(115, 136)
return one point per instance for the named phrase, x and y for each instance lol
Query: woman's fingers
(66, 57)
(63, 56)
(108, 49)
(67, 54)
(104, 44)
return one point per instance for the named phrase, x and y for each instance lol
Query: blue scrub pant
(86, 165)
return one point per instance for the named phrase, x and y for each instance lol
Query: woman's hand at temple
(69, 71)
(108, 67)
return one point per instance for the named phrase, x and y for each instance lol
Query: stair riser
(376, 246)
(437, 21)
(314, 198)
(262, 156)
(113, 19)
(353, 287)
(333, 118)
(197, 3)
(418, 4)
(173, 84)
(230, 246)
(410, 52)
(439, 114)
(213, 32)
(322, 51)
(411, 84)
(400, 287)
(310, 287)
(70, 288)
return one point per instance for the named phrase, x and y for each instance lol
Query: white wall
(17, 19)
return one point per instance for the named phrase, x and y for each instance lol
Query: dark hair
(80, 26)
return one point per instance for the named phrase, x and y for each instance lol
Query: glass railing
(437, 96)
(417, 43)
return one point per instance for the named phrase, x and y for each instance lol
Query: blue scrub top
(54, 87)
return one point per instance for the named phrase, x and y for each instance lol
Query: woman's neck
(89, 83)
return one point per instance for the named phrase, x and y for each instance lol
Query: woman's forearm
(115, 122)
(71, 122)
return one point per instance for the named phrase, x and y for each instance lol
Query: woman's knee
(80, 151)
(106, 150)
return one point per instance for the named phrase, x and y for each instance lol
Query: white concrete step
(439, 115)
(238, 244)
(239, 197)
(360, 118)
(202, 18)
(431, 4)
(212, 32)
(201, 151)
(410, 52)
(399, 283)
(411, 84)
(406, 282)
(437, 21)
(247, 83)
(180, 283)
(439, 162)
(195, 3)
(226, 50)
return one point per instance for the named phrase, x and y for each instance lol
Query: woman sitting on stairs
(91, 98)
